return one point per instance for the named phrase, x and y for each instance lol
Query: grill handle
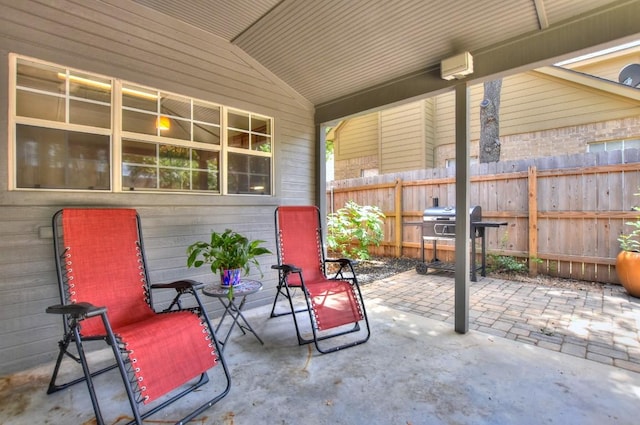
(444, 229)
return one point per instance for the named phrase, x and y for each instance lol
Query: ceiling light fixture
(163, 123)
(106, 86)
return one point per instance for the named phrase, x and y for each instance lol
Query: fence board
(580, 212)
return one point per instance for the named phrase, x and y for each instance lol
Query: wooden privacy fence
(565, 212)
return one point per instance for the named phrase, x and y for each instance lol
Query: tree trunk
(490, 122)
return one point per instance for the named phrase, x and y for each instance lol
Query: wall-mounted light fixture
(457, 67)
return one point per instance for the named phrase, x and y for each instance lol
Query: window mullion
(13, 78)
(67, 101)
(223, 154)
(157, 166)
(116, 138)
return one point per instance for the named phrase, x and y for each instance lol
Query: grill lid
(449, 213)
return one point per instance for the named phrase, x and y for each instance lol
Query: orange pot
(628, 269)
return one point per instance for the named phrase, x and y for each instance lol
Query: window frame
(246, 151)
(606, 144)
(118, 136)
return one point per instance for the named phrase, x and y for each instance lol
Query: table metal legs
(234, 311)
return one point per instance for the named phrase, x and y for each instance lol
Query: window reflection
(43, 92)
(37, 105)
(175, 106)
(90, 114)
(40, 77)
(169, 167)
(249, 174)
(206, 170)
(137, 122)
(59, 159)
(204, 133)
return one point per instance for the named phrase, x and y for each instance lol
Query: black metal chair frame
(74, 313)
(344, 272)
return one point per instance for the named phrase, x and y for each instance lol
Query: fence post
(398, 221)
(533, 220)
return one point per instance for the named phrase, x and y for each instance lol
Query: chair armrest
(286, 268)
(76, 310)
(346, 270)
(341, 261)
(179, 284)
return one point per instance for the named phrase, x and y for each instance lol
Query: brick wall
(352, 168)
(557, 141)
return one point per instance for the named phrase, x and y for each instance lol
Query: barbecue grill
(439, 223)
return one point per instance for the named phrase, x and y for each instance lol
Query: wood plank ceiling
(328, 50)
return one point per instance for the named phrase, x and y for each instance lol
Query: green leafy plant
(226, 251)
(631, 241)
(353, 228)
(507, 263)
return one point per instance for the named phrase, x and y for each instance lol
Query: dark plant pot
(628, 269)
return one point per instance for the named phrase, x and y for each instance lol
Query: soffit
(328, 49)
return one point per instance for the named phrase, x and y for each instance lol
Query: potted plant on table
(628, 260)
(229, 253)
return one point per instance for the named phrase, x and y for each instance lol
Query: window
(249, 153)
(451, 162)
(169, 142)
(62, 128)
(613, 145)
(68, 132)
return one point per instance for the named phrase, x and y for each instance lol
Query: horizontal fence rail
(564, 213)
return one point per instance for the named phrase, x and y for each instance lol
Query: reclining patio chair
(106, 296)
(330, 287)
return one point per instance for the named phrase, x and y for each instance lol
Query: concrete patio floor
(599, 323)
(519, 364)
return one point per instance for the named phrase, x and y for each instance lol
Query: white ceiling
(328, 50)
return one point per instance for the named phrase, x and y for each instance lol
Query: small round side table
(231, 308)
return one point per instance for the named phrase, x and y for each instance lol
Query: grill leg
(474, 278)
(484, 252)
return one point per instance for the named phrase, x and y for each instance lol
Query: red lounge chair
(330, 287)
(106, 296)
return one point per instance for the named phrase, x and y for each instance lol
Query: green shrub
(352, 228)
(507, 263)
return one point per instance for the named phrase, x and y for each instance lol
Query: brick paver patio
(599, 325)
